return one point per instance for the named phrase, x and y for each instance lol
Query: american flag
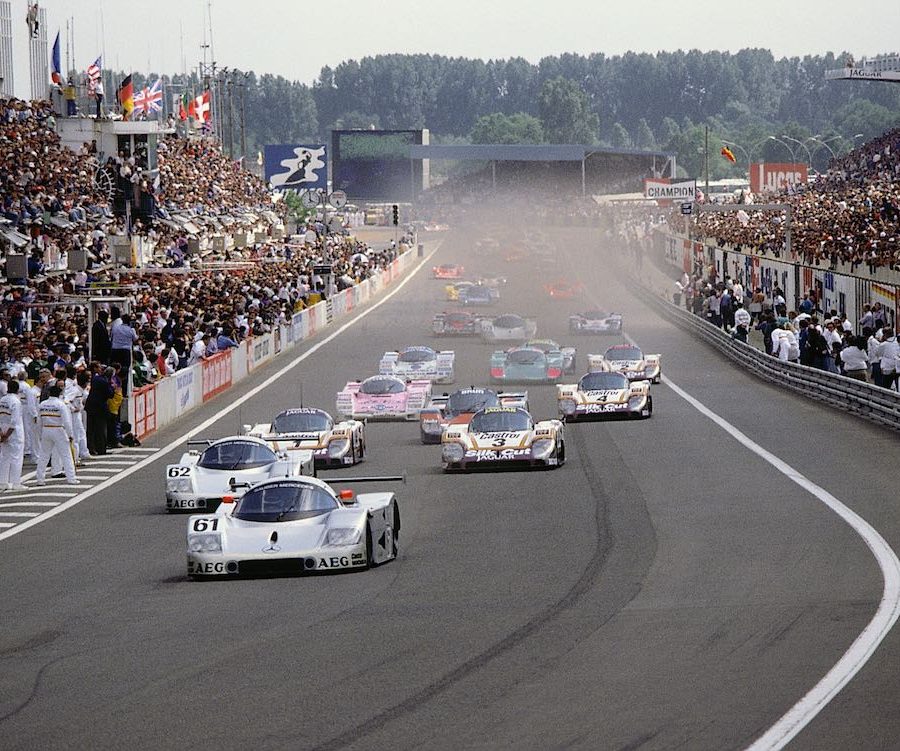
(94, 72)
(149, 100)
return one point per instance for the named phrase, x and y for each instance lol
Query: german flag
(728, 154)
(125, 95)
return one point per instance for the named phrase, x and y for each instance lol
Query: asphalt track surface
(664, 589)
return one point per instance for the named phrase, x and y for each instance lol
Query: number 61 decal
(201, 525)
(178, 471)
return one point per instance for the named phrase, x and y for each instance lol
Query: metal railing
(865, 400)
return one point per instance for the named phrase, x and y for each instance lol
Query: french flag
(55, 67)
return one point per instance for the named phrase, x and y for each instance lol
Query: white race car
(508, 327)
(293, 526)
(419, 362)
(629, 361)
(306, 429)
(499, 437)
(601, 396)
(595, 322)
(202, 478)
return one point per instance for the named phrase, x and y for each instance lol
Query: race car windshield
(301, 422)
(602, 382)
(376, 386)
(417, 355)
(236, 455)
(497, 422)
(458, 318)
(477, 291)
(595, 315)
(509, 322)
(524, 356)
(543, 346)
(284, 502)
(624, 353)
(461, 403)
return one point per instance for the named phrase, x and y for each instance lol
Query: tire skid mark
(586, 581)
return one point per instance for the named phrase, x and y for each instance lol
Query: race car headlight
(432, 426)
(338, 447)
(178, 484)
(636, 401)
(542, 448)
(453, 452)
(208, 543)
(567, 406)
(342, 536)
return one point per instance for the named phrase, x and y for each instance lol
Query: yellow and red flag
(728, 154)
(126, 97)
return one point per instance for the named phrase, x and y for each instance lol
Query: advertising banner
(663, 189)
(774, 177)
(216, 375)
(296, 166)
(185, 393)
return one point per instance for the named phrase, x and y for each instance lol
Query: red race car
(563, 290)
(448, 271)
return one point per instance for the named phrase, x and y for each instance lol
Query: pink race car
(384, 397)
(448, 271)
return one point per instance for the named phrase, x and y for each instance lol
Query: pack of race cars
(260, 507)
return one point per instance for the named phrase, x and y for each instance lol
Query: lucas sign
(660, 188)
(769, 177)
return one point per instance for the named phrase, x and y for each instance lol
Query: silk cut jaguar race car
(202, 478)
(599, 396)
(456, 323)
(595, 322)
(384, 397)
(499, 437)
(458, 408)
(628, 360)
(419, 362)
(307, 429)
(526, 364)
(508, 327)
(448, 271)
(294, 526)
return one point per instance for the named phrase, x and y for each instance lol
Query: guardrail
(873, 403)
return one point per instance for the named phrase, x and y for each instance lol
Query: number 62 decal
(178, 471)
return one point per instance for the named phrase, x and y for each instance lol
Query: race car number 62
(178, 471)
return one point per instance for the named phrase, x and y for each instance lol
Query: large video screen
(374, 165)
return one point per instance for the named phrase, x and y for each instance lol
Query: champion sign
(661, 189)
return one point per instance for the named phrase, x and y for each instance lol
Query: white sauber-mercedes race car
(629, 361)
(595, 322)
(308, 429)
(202, 478)
(498, 437)
(419, 362)
(602, 396)
(294, 526)
(508, 327)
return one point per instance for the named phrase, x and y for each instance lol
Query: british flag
(149, 100)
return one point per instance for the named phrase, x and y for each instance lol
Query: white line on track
(864, 646)
(5, 525)
(158, 453)
(35, 503)
(25, 514)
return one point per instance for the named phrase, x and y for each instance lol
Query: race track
(666, 588)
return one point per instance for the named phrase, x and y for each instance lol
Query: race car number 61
(201, 525)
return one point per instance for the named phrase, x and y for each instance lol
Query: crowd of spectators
(182, 305)
(849, 214)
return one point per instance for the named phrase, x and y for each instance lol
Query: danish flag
(200, 108)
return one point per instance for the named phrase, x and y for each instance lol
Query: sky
(296, 39)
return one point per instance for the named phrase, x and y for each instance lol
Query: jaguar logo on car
(486, 455)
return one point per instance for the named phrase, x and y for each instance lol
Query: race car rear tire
(369, 562)
(395, 529)
(561, 454)
(648, 409)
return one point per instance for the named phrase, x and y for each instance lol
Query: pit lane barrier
(161, 403)
(865, 400)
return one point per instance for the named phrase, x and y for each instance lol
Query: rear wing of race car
(514, 399)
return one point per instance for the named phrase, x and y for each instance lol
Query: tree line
(659, 101)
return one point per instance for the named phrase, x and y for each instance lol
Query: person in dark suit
(95, 406)
(101, 345)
